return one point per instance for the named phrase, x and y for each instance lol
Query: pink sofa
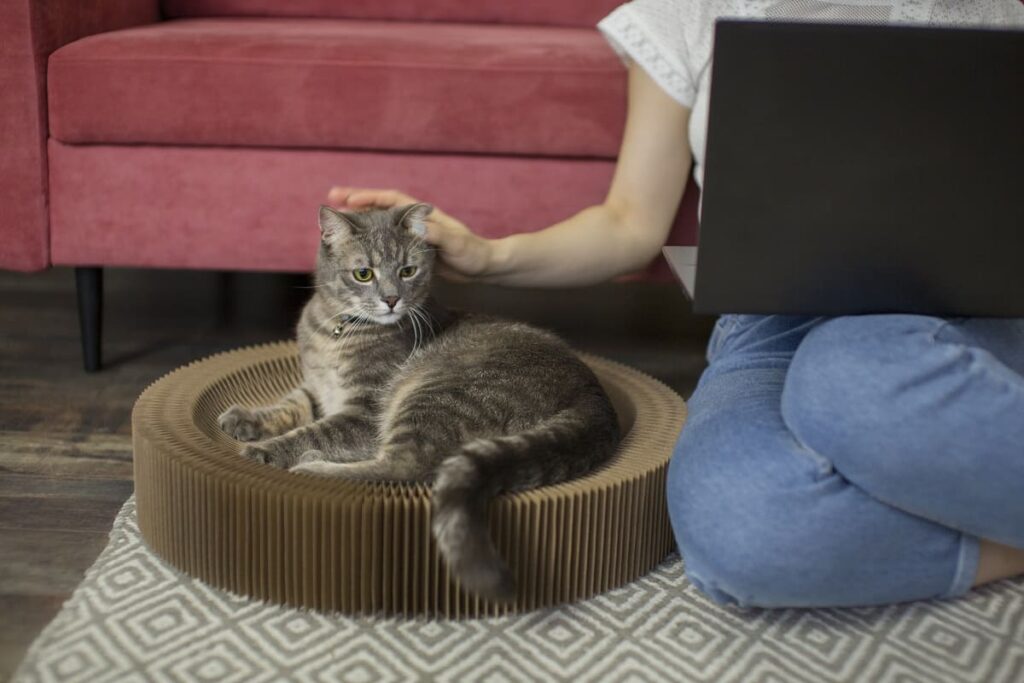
(204, 133)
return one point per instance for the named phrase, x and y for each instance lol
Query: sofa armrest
(29, 31)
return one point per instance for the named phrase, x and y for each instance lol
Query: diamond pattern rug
(134, 618)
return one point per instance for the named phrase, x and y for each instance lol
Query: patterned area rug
(134, 618)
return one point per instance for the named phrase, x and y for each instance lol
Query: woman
(826, 462)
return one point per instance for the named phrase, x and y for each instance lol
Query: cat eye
(362, 274)
(407, 271)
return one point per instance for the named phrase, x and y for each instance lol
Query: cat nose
(390, 301)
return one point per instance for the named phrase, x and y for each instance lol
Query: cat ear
(414, 217)
(334, 224)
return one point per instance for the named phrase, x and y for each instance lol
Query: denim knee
(743, 538)
(921, 413)
(860, 390)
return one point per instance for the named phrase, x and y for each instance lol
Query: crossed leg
(765, 518)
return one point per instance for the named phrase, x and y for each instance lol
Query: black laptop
(861, 169)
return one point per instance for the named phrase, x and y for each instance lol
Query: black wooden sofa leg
(89, 283)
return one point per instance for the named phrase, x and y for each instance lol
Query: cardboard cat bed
(358, 547)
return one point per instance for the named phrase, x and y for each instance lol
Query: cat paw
(320, 468)
(257, 453)
(267, 454)
(311, 455)
(239, 423)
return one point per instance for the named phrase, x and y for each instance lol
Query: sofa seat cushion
(335, 83)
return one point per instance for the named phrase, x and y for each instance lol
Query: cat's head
(375, 264)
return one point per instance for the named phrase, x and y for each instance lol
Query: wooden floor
(65, 436)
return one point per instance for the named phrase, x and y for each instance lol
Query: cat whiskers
(428, 320)
(347, 330)
(418, 338)
(420, 317)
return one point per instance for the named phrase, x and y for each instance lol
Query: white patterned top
(671, 39)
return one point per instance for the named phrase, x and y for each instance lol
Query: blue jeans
(850, 461)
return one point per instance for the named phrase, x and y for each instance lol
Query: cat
(396, 387)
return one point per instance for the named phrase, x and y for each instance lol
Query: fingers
(435, 233)
(462, 254)
(446, 237)
(361, 198)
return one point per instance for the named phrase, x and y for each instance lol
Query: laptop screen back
(855, 169)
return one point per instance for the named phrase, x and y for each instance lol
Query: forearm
(624, 233)
(593, 246)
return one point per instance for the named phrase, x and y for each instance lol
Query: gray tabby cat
(397, 388)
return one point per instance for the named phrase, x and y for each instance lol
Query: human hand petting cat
(463, 255)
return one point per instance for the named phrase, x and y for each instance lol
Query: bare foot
(998, 561)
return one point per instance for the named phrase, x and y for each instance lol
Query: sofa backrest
(544, 12)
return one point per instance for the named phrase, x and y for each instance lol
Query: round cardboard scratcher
(358, 547)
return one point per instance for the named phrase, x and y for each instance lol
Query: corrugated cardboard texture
(358, 547)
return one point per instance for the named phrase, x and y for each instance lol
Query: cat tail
(568, 444)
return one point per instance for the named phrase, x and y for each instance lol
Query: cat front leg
(256, 424)
(374, 469)
(339, 437)
(406, 460)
